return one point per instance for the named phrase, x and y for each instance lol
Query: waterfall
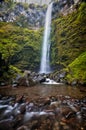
(45, 59)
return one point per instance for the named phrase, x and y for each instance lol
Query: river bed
(43, 107)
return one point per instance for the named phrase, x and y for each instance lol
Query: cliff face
(31, 14)
(39, 2)
(69, 35)
(23, 14)
(68, 40)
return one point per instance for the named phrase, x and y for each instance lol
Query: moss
(77, 69)
(69, 36)
(81, 12)
(13, 71)
(24, 45)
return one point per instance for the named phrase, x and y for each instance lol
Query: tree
(8, 50)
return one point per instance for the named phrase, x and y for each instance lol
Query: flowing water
(43, 107)
(45, 60)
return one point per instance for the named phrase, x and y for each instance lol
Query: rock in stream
(47, 113)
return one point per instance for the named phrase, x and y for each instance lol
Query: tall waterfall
(45, 59)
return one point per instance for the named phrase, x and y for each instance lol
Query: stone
(47, 101)
(18, 120)
(2, 84)
(20, 99)
(22, 81)
(23, 128)
(70, 115)
(56, 126)
(65, 111)
(15, 85)
(74, 83)
(6, 124)
(22, 108)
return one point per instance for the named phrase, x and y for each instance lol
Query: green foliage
(82, 13)
(20, 46)
(8, 50)
(69, 36)
(13, 71)
(77, 69)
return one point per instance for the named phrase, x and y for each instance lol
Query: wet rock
(42, 80)
(7, 114)
(79, 116)
(2, 110)
(14, 84)
(32, 125)
(23, 128)
(67, 97)
(30, 107)
(83, 112)
(0, 96)
(18, 121)
(3, 107)
(20, 99)
(65, 111)
(62, 75)
(56, 126)
(22, 108)
(74, 83)
(83, 89)
(63, 121)
(55, 104)
(66, 127)
(47, 101)
(29, 116)
(57, 113)
(6, 100)
(83, 109)
(70, 115)
(23, 82)
(44, 123)
(6, 124)
(53, 99)
(15, 112)
(2, 84)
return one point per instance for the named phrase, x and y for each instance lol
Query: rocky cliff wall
(31, 14)
(23, 14)
(39, 2)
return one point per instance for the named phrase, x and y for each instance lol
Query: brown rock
(23, 108)
(47, 101)
(6, 124)
(20, 99)
(23, 128)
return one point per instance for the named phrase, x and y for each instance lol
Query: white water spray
(45, 60)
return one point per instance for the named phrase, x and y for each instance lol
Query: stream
(43, 107)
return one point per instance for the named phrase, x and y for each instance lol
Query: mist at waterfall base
(45, 58)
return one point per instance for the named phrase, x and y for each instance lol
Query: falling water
(45, 60)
